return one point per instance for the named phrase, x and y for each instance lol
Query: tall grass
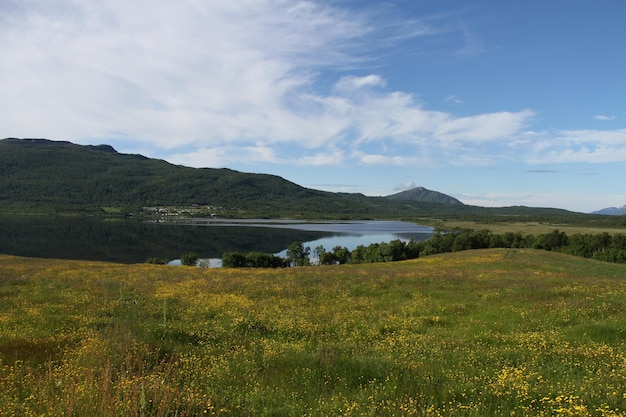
(491, 332)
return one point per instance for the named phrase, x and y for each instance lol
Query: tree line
(603, 246)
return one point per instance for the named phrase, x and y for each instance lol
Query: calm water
(349, 234)
(129, 241)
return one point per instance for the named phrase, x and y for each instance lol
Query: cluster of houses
(195, 210)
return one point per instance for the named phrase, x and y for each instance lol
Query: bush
(189, 259)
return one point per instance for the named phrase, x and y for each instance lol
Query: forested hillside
(65, 175)
(43, 175)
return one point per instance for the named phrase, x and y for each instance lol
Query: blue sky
(495, 103)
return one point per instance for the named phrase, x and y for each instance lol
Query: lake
(130, 241)
(349, 233)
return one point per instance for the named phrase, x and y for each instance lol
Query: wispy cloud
(590, 146)
(473, 44)
(223, 156)
(351, 83)
(174, 72)
(212, 83)
(335, 157)
(451, 98)
(604, 117)
(408, 185)
(218, 76)
(377, 159)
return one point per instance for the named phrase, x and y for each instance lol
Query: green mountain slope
(43, 175)
(62, 174)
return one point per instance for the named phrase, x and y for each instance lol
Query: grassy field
(528, 228)
(476, 333)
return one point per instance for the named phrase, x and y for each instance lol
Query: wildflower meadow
(495, 332)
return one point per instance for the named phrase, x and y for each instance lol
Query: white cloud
(483, 127)
(374, 159)
(222, 156)
(473, 44)
(323, 158)
(377, 114)
(451, 98)
(590, 146)
(236, 81)
(604, 117)
(222, 75)
(408, 185)
(350, 83)
(174, 72)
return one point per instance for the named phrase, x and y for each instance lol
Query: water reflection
(134, 241)
(349, 234)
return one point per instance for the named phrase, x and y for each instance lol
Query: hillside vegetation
(600, 246)
(44, 176)
(63, 175)
(38, 175)
(476, 333)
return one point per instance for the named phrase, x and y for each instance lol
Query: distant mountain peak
(423, 194)
(612, 211)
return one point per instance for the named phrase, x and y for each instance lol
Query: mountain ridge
(423, 194)
(42, 173)
(612, 211)
(45, 176)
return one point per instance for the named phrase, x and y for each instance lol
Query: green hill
(43, 175)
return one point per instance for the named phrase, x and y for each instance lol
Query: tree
(319, 253)
(553, 241)
(189, 259)
(298, 255)
(507, 240)
(373, 253)
(413, 249)
(342, 254)
(233, 260)
(358, 255)
(396, 250)
(264, 260)
(252, 260)
(328, 258)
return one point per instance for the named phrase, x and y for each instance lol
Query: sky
(493, 102)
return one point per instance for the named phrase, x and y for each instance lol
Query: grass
(528, 228)
(490, 332)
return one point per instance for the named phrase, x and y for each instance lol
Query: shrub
(189, 259)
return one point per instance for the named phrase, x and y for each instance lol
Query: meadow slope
(474, 333)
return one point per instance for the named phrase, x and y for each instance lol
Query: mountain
(422, 194)
(40, 175)
(613, 211)
(45, 176)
